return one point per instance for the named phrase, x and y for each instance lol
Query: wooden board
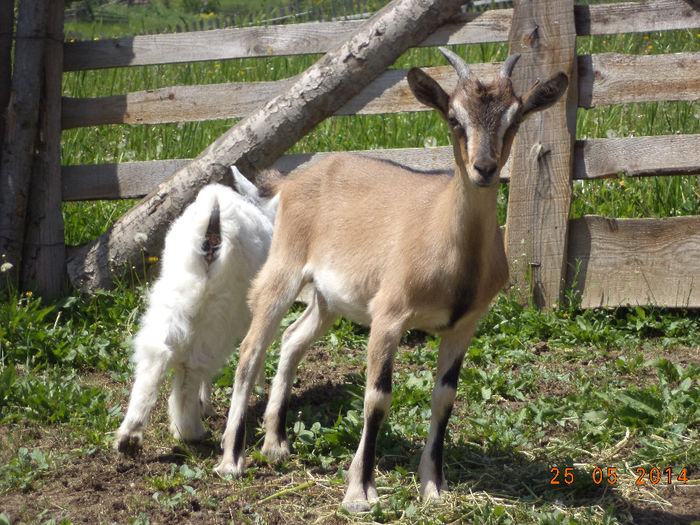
(540, 190)
(636, 17)
(319, 37)
(262, 41)
(635, 261)
(44, 254)
(594, 159)
(387, 94)
(637, 156)
(612, 78)
(22, 125)
(135, 179)
(603, 80)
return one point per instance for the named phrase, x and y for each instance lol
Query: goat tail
(212, 237)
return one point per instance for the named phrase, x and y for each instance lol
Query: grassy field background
(614, 390)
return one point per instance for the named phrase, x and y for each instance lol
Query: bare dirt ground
(104, 487)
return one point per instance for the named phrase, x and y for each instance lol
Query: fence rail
(318, 37)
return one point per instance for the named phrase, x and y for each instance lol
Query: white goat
(197, 310)
(394, 248)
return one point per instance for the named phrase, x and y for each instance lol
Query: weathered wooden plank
(21, 125)
(603, 80)
(615, 262)
(130, 180)
(540, 190)
(262, 41)
(387, 94)
(319, 37)
(594, 159)
(612, 78)
(44, 256)
(636, 17)
(637, 156)
(7, 21)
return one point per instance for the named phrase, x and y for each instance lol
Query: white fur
(197, 311)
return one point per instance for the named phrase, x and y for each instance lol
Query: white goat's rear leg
(295, 343)
(450, 357)
(150, 372)
(272, 294)
(206, 408)
(383, 342)
(184, 404)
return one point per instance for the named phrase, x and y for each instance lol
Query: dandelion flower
(6, 267)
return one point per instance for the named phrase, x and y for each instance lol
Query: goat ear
(428, 91)
(544, 94)
(242, 185)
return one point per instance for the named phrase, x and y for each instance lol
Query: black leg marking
(383, 383)
(464, 300)
(368, 454)
(466, 290)
(451, 377)
(438, 445)
(239, 440)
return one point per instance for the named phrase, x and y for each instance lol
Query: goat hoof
(129, 445)
(229, 469)
(277, 451)
(357, 506)
(430, 493)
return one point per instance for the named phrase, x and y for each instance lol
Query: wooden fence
(619, 261)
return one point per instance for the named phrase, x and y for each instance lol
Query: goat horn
(507, 68)
(457, 62)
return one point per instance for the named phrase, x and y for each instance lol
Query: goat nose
(485, 169)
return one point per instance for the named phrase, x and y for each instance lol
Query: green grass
(570, 389)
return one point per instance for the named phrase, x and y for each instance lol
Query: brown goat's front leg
(315, 321)
(383, 341)
(272, 293)
(450, 357)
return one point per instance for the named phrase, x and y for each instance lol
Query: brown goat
(393, 248)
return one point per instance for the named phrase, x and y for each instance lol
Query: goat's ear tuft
(544, 94)
(428, 91)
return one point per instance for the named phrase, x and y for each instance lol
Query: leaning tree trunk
(258, 140)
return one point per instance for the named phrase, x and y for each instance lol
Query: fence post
(21, 130)
(7, 16)
(44, 256)
(539, 200)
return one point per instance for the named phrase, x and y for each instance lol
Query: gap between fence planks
(593, 159)
(318, 37)
(259, 139)
(615, 262)
(603, 80)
